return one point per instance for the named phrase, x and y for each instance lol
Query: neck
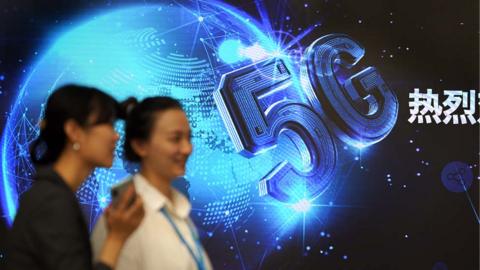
(72, 170)
(160, 182)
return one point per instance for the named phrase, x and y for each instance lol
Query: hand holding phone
(125, 212)
(118, 190)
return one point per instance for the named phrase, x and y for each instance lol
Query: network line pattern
(188, 51)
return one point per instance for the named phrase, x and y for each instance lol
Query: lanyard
(199, 259)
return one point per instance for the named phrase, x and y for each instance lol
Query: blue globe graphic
(172, 50)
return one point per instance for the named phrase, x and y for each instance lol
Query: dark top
(49, 230)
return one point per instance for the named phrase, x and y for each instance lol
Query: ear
(139, 147)
(72, 130)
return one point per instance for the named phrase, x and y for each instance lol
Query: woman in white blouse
(158, 137)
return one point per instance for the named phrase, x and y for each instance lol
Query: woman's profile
(49, 231)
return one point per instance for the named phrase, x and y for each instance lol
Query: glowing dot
(231, 247)
(321, 251)
(287, 18)
(345, 257)
(322, 234)
(200, 18)
(302, 206)
(417, 149)
(279, 247)
(360, 145)
(306, 5)
(229, 51)
(357, 158)
(419, 174)
(307, 248)
(330, 247)
(255, 52)
(406, 235)
(411, 141)
(227, 213)
(359, 21)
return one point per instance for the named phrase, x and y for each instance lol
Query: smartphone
(119, 189)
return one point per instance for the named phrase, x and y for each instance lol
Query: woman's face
(97, 144)
(167, 150)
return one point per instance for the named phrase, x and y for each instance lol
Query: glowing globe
(173, 50)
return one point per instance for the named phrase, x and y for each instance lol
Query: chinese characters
(455, 107)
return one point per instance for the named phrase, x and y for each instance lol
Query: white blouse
(155, 244)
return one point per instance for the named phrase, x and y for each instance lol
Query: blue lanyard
(199, 259)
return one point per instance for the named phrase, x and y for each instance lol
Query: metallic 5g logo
(258, 102)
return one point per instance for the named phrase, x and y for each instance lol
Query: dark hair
(87, 106)
(140, 121)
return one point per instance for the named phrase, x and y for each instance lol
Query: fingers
(122, 220)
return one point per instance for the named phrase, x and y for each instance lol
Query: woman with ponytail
(49, 230)
(157, 137)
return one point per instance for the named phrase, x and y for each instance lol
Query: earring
(76, 146)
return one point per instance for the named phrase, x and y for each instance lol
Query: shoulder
(48, 214)
(49, 206)
(44, 194)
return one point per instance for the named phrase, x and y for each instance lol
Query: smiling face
(168, 147)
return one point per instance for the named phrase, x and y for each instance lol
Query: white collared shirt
(155, 244)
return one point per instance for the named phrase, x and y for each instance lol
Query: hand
(122, 220)
(124, 217)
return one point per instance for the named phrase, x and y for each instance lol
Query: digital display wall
(327, 134)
